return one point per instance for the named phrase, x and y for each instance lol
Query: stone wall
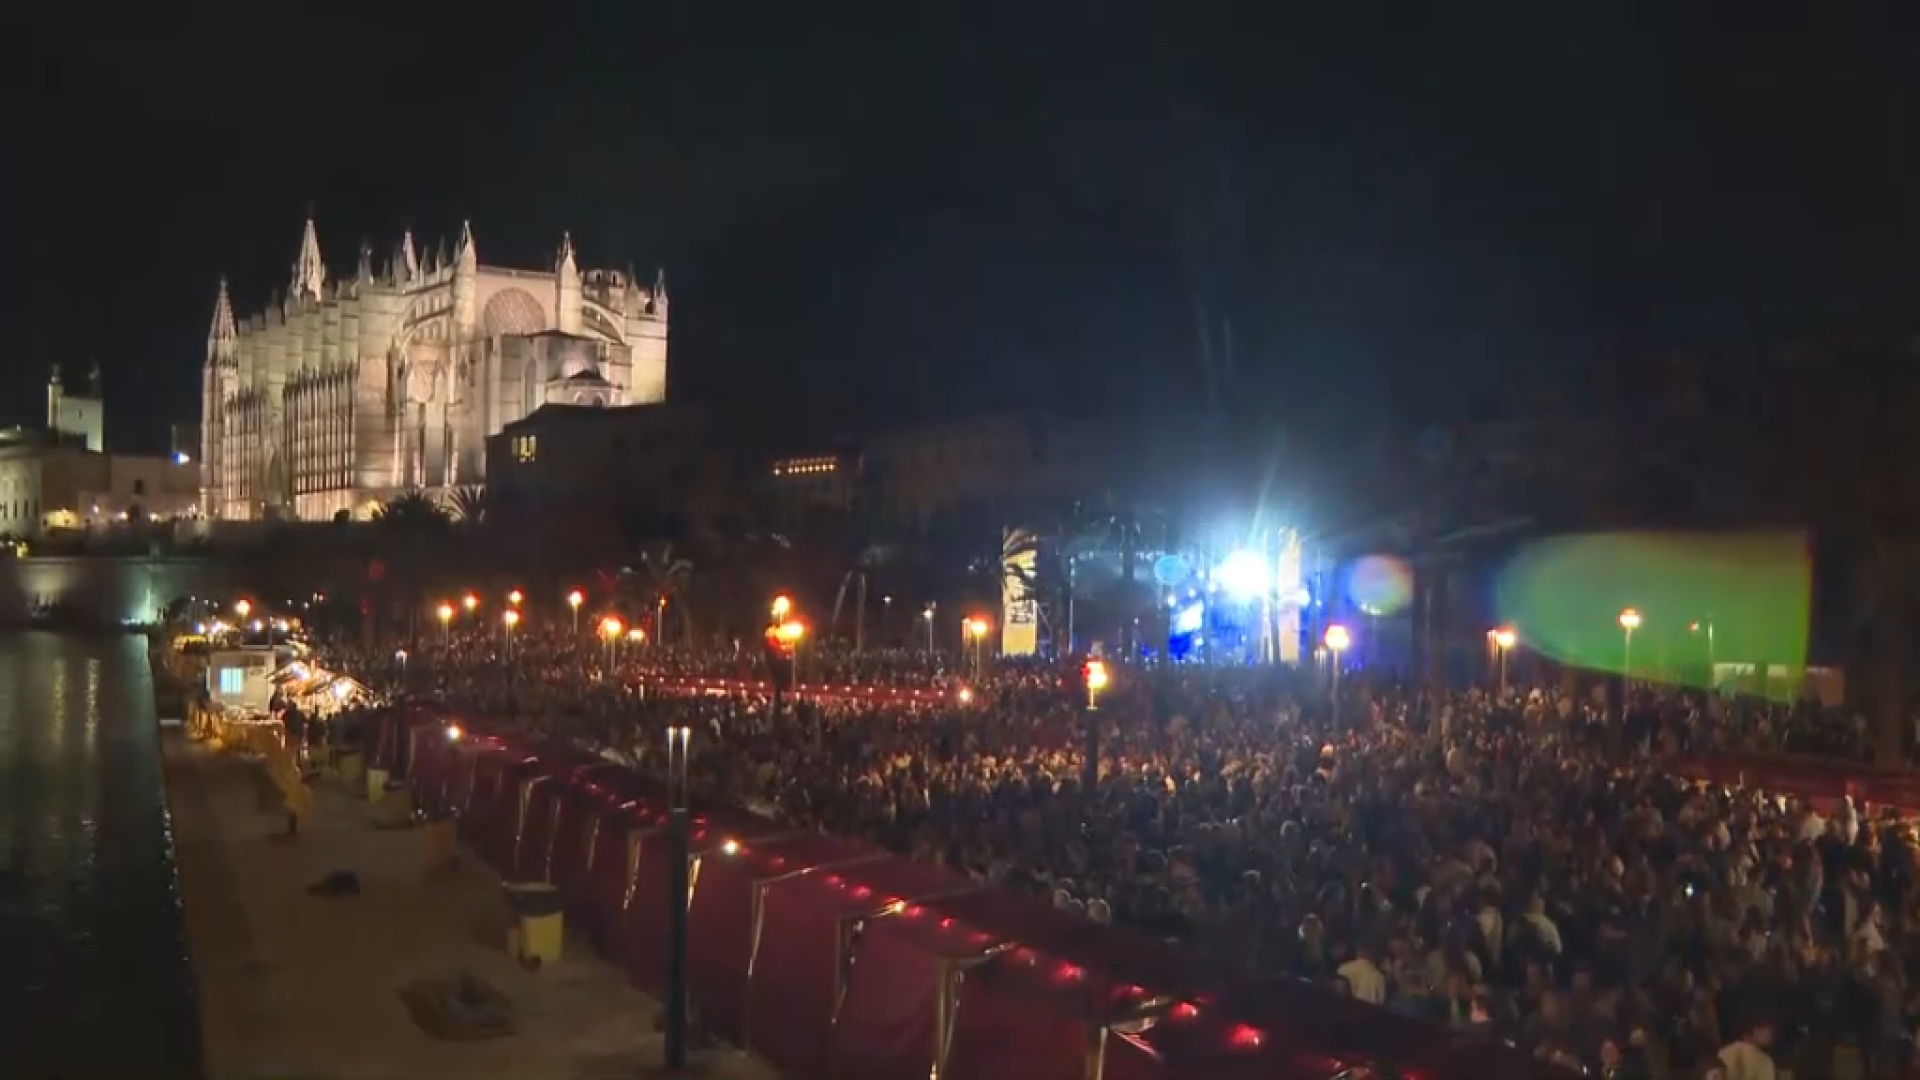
(104, 590)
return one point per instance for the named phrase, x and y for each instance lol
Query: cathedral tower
(566, 289)
(466, 272)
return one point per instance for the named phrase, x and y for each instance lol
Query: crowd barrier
(829, 958)
(1824, 782)
(814, 691)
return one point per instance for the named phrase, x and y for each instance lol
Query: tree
(411, 531)
(869, 558)
(470, 506)
(665, 576)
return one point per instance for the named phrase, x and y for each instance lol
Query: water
(94, 978)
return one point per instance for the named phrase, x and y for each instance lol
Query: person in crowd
(1502, 862)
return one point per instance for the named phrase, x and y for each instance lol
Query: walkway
(295, 986)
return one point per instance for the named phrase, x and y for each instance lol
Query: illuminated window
(525, 448)
(233, 680)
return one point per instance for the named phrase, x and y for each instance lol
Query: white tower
(566, 289)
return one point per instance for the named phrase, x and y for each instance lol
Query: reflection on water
(93, 969)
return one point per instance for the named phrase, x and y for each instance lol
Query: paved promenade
(296, 987)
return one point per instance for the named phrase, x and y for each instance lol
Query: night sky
(881, 209)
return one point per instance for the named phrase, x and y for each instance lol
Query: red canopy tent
(795, 964)
(725, 910)
(644, 945)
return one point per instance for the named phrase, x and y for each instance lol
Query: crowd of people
(1515, 864)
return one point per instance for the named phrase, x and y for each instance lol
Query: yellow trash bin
(539, 916)
(376, 784)
(436, 846)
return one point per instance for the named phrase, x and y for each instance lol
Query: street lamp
(574, 600)
(243, 608)
(1504, 639)
(1096, 677)
(515, 597)
(977, 634)
(1338, 641)
(512, 619)
(927, 617)
(1629, 622)
(678, 739)
(1695, 628)
(610, 630)
(470, 603)
(445, 614)
(782, 607)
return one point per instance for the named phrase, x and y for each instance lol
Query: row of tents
(827, 957)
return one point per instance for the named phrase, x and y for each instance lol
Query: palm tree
(469, 505)
(411, 527)
(870, 558)
(411, 511)
(665, 576)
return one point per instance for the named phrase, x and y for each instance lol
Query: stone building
(345, 391)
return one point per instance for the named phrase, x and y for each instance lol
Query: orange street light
(574, 600)
(1629, 622)
(1338, 639)
(636, 635)
(243, 608)
(444, 613)
(782, 607)
(470, 603)
(790, 633)
(611, 627)
(510, 617)
(515, 597)
(1504, 639)
(1097, 679)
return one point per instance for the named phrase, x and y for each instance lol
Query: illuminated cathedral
(346, 391)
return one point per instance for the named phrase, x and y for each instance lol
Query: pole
(1335, 654)
(1503, 671)
(1626, 663)
(676, 1004)
(1090, 768)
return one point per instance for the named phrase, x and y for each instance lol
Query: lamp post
(1695, 628)
(927, 617)
(516, 597)
(574, 600)
(445, 614)
(512, 619)
(471, 603)
(1338, 640)
(791, 633)
(977, 637)
(610, 630)
(1629, 622)
(243, 608)
(781, 607)
(1096, 675)
(678, 738)
(1503, 639)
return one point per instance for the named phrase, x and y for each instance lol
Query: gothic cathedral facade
(343, 394)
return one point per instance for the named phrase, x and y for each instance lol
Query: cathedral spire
(406, 262)
(657, 303)
(221, 334)
(364, 272)
(463, 254)
(563, 263)
(309, 273)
